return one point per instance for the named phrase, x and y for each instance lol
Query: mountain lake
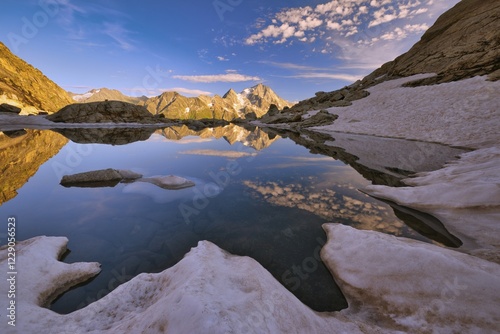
(258, 192)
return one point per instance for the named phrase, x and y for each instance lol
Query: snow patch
(212, 291)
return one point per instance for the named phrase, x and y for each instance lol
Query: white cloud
(221, 58)
(363, 33)
(310, 72)
(227, 77)
(332, 76)
(187, 91)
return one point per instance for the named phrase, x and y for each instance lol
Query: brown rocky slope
(26, 87)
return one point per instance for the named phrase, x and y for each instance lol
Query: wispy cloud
(120, 35)
(187, 91)
(230, 76)
(290, 66)
(333, 76)
(76, 21)
(311, 72)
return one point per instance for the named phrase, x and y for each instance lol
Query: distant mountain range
(103, 94)
(256, 99)
(24, 86)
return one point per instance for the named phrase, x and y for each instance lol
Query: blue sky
(197, 47)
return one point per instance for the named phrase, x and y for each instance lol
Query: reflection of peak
(255, 138)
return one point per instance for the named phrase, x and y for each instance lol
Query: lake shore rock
(99, 178)
(104, 112)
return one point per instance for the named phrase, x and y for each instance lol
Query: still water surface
(257, 195)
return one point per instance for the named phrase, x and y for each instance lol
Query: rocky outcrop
(464, 42)
(26, 87)
(339, 98)
(297, 121)
(103, 112)
(323, 117)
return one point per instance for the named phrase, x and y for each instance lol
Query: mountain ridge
(173, 105)
(102, 94)
(463, 42)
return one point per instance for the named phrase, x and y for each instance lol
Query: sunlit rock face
(24, 86)
(21, 156)
(461, 44)
(232, 105)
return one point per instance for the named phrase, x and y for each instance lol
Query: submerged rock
(170, 182)
(99, 178)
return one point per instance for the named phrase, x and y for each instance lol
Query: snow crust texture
(462, 113)
(212, 291)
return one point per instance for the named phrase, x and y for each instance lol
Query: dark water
(261, 196)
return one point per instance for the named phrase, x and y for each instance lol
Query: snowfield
(462, 113)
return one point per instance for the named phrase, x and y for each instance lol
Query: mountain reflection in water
(271, 198)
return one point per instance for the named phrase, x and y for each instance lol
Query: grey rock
(15, 133)
(282, 118)
(273, 110)
(98, 178)
(5, 107)
(323, 117)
